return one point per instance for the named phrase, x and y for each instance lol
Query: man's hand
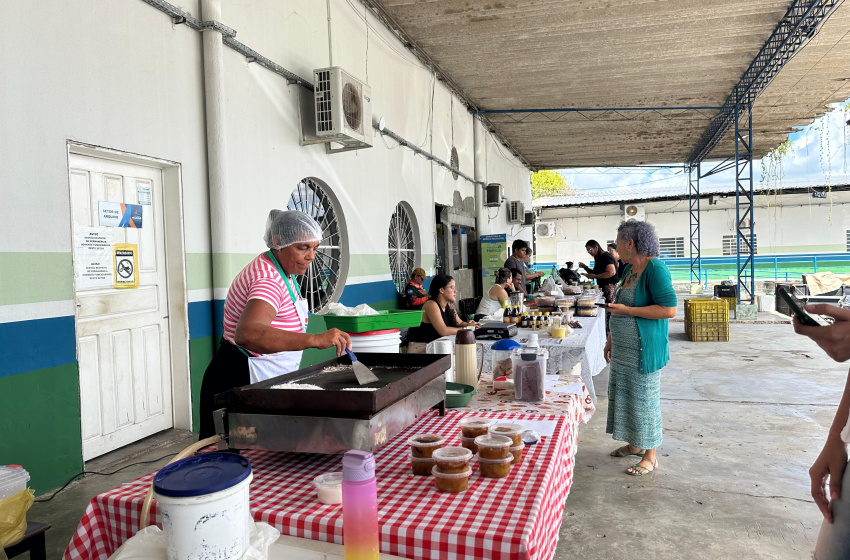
(829, 464)
(835, 338)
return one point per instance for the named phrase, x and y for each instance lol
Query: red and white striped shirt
(260, 280)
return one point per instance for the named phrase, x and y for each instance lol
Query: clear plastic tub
(452, 460)
(329, 487)
(493, 447)
(422, 465)
(469, 443)
(530, 374)
(424, 445)
(517, 454)
(452, 482)
(473, 427)
(495, 468)
(12, 481)
(512, 431)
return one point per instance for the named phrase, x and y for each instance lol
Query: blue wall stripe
(38, 344)
(200, 319)
(370, 292)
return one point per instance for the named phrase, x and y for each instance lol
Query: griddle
(399, 375)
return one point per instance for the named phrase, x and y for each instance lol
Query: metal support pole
(693, 204)
(745, 225)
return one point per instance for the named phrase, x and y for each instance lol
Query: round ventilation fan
(351, 106)
(631, 210)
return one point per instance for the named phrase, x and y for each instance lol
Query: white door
(122, 334)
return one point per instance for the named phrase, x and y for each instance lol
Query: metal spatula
(363, 374)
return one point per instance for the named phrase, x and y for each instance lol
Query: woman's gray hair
(643, 234)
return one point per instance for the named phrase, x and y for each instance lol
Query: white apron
(266, 366)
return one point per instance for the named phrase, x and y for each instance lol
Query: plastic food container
(422, 465)
(495, 468)
(12, 481)
(423, 445)
(329, 487)
(474, 427)
(452, 460)
(517, 454)
(501, 364)
(512, 431)
(463, 395)
(493, 447)
(384, 320)
(530, 374)
(452, 482)
(469, 443)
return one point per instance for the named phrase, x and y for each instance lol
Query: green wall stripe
(201, 351)
(198, 271)
(40, 423)
(35, 277)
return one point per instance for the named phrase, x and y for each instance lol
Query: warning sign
(126, 263)
(93, 257)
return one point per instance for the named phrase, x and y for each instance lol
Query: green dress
(634, 397)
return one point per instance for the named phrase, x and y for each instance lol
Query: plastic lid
(202, 474)
(371, 333)
(506, 344)
(532, 341)
(435, 471)
(500, 429)
(496, 461)
(474, 422)
(11, 474)
(417, 440)
(518, 447)
(493, 441)
(358, 466)
(422, 459)
(452, 454)
(328, 480)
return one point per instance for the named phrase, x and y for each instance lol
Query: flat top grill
(398, 375)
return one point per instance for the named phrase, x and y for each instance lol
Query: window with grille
(403, 246)
(671, 247)
(730, 245)
(325, 279)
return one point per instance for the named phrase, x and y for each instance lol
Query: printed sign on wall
(93, 256)
(494, 253)
(126, 265)
(118, 214)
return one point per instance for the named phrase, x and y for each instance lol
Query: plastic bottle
(359, 506)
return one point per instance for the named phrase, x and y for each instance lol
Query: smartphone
(601, 305)
(802, 315)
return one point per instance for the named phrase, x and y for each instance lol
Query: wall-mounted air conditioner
(544, 229)
(493, 195)
(634, 212)
(343, 110)
(516, 212)
(529, 218)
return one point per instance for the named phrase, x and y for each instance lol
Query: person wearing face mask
(265, 317)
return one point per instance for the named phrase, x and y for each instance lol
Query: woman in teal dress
(637, 346)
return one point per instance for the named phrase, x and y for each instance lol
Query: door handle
(166, 317)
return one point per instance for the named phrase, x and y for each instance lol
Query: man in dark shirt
(516, 260)
(604, 269)
(621, 266)
(414, 294)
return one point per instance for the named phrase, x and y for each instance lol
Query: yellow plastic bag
(13, 517)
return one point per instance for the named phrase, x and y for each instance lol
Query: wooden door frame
(175, 259)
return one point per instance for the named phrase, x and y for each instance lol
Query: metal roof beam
(798, 25)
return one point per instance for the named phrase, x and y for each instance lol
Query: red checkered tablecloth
(515, 517)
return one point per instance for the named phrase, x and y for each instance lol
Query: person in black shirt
(604, 269)
(569, 275)
(439, 316)
(621, 266)
(516, 260)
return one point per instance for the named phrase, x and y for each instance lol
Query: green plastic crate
(384, 320)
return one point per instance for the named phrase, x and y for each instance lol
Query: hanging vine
(772, 172)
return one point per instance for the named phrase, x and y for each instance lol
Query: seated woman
(439, 316)
(496, 296)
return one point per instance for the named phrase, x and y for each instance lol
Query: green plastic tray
(457, 401)
(384, 320)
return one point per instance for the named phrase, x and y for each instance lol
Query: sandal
(624, 451)
(633, 470)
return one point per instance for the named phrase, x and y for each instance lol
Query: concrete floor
(743, 421)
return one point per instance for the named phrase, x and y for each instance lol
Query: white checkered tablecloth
(515, 517)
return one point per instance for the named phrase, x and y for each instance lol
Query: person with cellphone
(830, 468)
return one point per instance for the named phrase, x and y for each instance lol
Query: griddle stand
(327, 435)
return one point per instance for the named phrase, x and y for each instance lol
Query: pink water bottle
(359, 506)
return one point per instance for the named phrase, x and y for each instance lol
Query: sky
(819, 155)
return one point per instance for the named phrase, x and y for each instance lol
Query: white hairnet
(285, 228)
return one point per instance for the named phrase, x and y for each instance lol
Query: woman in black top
(439, 316)
(604, 269)
(621, 266)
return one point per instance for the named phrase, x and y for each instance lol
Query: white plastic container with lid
(529, 365)
(380, 342)
(12, 481)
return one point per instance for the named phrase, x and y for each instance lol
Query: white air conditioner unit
(343, 109)
(544, 229)
(493, 195)
(516, 212)
(634, 212)
(529, 218)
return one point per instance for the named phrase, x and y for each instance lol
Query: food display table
(585, 346)
(517, 517)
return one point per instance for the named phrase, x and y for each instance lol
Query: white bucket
(384, 342)
(214, 525)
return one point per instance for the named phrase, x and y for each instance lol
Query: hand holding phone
(834, 339)
(802, 315)
(604, 305)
